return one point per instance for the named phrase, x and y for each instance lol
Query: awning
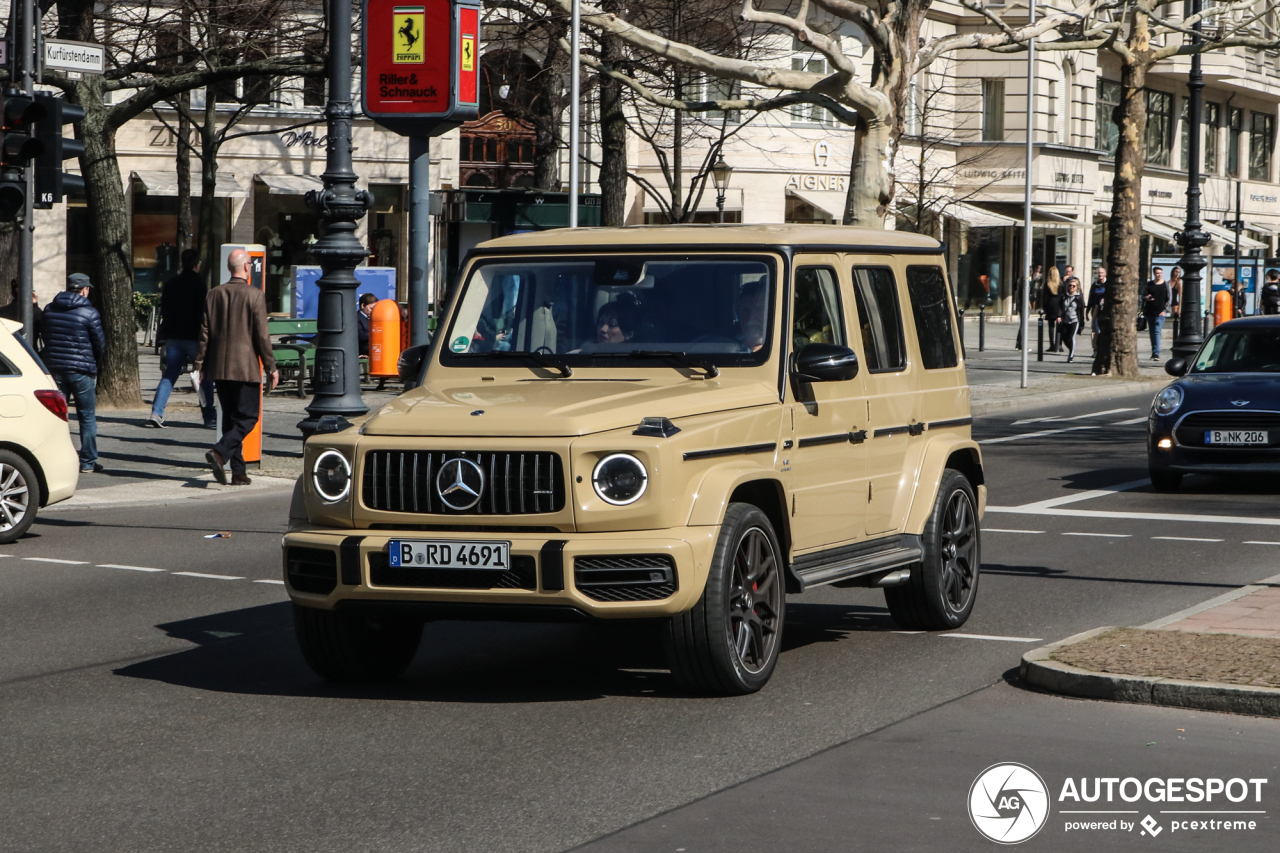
(290, 184)
(166, 183)
(1262, 228)
(1015, 211)
(1220, 234)
(830, 202)
(976, 217)
(1159, 228)
(732, 201)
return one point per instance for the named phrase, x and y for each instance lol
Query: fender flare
(711, 498)
(932, 463)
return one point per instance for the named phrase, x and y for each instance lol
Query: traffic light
(17, 148)
(51, 182)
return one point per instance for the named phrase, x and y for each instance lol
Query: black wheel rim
(14, 497)
(959, 551)
(755, 601)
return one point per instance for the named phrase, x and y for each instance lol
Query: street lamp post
(720, 174)
(336, 364)
(1192, 237)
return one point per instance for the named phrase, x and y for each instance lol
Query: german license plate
(1236, 436)
(407, 553)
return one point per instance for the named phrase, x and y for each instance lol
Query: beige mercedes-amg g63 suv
(681, 424)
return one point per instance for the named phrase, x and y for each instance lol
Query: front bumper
(551, 591)
(1225, 461)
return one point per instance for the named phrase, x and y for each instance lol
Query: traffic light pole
(26, 226)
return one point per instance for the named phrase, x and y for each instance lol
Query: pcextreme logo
(1009, 803)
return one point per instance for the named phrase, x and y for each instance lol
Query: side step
(865, 564)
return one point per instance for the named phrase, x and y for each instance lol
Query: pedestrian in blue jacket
(73, 347)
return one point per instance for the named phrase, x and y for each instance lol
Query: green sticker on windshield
(460, 344)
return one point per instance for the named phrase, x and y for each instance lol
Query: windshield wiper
(710, 371)
(536, 357)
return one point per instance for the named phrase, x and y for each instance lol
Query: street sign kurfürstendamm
(421, 64)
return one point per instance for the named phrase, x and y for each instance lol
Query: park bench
(292, 351)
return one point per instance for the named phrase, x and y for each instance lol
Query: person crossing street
(235, 352)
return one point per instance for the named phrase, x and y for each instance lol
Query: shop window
(814, 63)
(314, 89)
(993, 110)
(1261, 141)
(927, 288)
(1159, 127)
(1106, 133)
(880, 318)
(1212, 123)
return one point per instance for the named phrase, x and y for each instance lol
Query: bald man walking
(233, 339)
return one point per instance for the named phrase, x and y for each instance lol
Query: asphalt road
(156, 710)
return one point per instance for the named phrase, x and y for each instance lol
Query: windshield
(1240, 351)
(615, 310)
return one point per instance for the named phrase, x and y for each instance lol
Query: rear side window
(817, 316)
(928, 291)
(26, 346)
(880, 317)
(7, 368)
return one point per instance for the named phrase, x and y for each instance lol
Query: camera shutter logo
(460, 484)
(1008, 803)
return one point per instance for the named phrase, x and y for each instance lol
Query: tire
(1165, 481)
(728, 643)
(19, 496)
(943, 586)
(351, 647)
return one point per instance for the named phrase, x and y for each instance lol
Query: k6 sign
(421, 64)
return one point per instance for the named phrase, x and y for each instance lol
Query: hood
(1256, 391)
(68, 301)
(568, 407)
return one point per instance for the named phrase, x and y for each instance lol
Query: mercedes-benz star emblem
(1239, 402)
(460, 484)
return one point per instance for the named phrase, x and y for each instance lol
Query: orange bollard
(384, 339)
(251, 447)
(1224, 307)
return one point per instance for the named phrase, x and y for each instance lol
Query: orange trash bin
(1224, 307)
(384, 339)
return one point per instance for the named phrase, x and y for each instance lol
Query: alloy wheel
(959, 551)
(14, 497)
(755, 601)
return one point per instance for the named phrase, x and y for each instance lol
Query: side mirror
(1176, 367)
(825, 363)
(410, 364)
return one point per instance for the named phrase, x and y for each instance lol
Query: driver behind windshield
(616, 321)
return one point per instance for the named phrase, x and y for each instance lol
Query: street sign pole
(420, 237)
(26, 241)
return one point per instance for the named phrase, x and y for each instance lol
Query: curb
(1037, 401)
(1039, 670)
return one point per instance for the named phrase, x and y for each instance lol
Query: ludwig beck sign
(421, 64)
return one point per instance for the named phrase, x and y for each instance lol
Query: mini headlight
(620, 479)
(332, 476)
(1168, 400)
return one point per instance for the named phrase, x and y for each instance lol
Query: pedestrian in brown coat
(235, 350)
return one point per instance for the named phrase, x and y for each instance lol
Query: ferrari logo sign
(468, 52)
(407, 45)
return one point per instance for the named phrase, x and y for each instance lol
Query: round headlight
(1168, 400)
(332, 476)
(620, 479)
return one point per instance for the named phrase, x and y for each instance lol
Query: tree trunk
(1124, 273)
(550, 104)
(118, 384)
(209, 242)
(183, 241)
(613, 132)
(870, 180)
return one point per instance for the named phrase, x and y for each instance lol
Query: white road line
(1257, 542)
(1057, 419)
(1035, 434)
(993, 637)
(1136, 516)
(1110, 535)
(1141, 420)
(1185, 539)
(1004, 530)
(52, 560)
(278, 583)
(212, 577)
(2, 556)
(910, 632)
(130, 568)
(1088, 495)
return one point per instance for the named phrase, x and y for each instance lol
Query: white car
(38, 464)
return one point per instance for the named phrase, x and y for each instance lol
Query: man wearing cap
(73, 347)
(235, 350)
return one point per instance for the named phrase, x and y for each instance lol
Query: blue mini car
(1222, 415)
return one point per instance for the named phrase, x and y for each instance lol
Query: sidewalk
(995, 373)
(1222, 655)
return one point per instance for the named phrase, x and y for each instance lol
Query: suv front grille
(514, 483)
(642, 577)
(1191, 429)
(523, 574)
